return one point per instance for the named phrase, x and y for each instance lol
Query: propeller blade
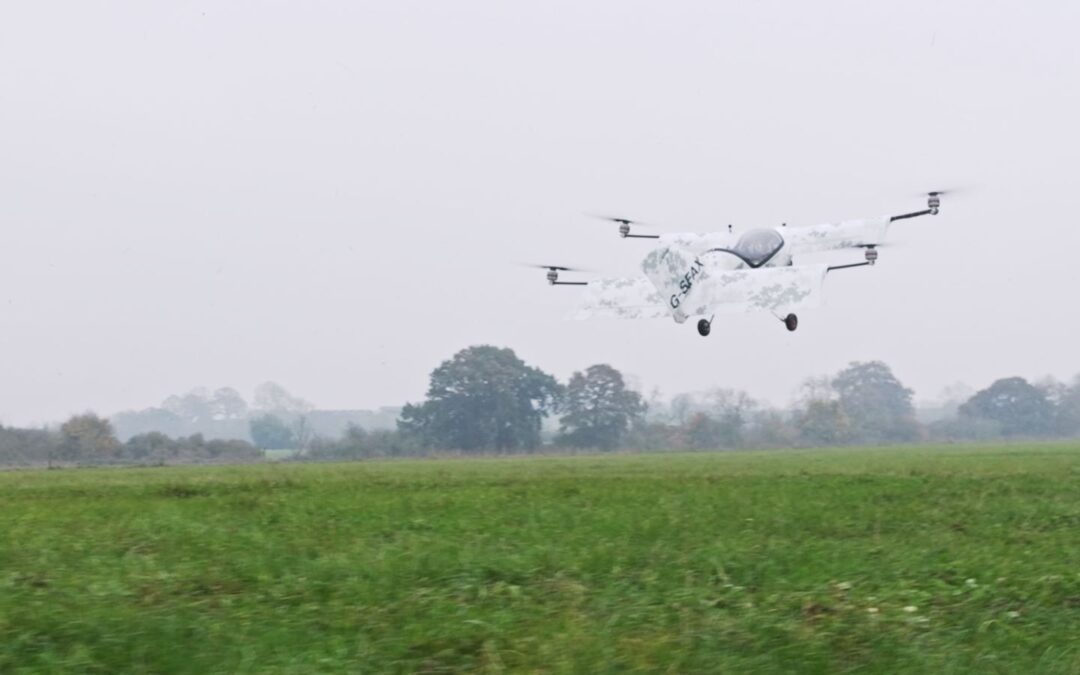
(616, 219)
(557, 268)
(947, 191)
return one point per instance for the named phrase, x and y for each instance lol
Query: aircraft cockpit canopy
(757, 247)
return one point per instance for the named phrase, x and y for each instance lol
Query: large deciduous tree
(483, 398)
(877, 405)
(598, 408)
(1020, 408)
(87, 438)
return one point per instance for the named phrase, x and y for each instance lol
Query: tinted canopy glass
(757, 246)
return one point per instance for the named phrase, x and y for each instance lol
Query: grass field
(926, 560)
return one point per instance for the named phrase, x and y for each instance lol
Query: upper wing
(847, 234)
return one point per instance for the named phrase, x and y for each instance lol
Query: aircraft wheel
(791, 321)
(704, 327)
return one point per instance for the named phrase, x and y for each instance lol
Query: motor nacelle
(933, 202)
(624, 229)
(871, 255)
(553, 275)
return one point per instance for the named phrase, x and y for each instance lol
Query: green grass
(923, 560)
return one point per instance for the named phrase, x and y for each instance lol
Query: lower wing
(629, 298)
(770, 289)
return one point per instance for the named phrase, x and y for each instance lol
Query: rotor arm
(848, 266)
(871, 258)
(913, 214)
(624, 230)
(933, 204)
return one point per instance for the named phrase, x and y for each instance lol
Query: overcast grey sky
(331, 194)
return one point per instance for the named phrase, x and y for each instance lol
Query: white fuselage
(722, 248)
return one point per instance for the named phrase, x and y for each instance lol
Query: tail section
(677, 273)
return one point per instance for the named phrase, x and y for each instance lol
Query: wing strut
(845, 267)
(914, 214)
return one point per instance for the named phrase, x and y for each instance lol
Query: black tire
(704, 327)
(791, 321)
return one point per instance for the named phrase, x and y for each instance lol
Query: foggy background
(332, 195)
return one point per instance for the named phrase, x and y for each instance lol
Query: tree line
(285, 419)
(485, 399)
(88, 439)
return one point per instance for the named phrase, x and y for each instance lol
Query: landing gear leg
(704, 326)
(791, 321)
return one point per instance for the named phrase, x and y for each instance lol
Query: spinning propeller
(624, 227)
(933, 198)
(553, 274)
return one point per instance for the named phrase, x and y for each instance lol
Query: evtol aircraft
(702, 275)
